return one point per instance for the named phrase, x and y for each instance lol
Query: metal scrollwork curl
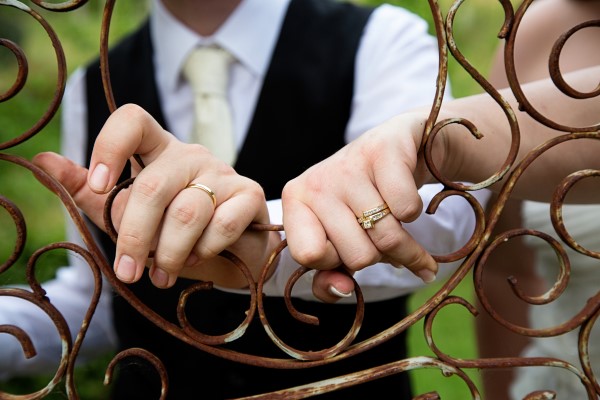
(556, 209)
(67, 5)
(473, 254)
(22, 75)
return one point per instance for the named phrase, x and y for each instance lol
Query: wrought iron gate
(474, 253)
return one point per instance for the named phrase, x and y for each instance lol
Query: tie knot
(207, 70)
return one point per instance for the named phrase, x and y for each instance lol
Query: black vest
(300, 119)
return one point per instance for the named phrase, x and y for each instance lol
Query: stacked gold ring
(371, 216)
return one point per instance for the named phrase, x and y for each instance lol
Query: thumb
(332, 285)
(74, 179)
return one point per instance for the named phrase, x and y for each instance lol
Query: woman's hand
(185, 226)
(323, 206)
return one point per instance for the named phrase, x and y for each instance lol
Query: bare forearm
(470, 160)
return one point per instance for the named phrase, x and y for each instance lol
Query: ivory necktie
(207, 70)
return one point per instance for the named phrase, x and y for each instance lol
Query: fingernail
(160, 278)
(334, 291)
(191, 260)
(99, 178)
(125, 269)
(426, 275)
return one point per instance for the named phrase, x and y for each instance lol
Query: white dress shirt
(396, 69)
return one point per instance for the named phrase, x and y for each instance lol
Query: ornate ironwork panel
(473, 254)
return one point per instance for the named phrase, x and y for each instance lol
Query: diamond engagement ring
(369, 217)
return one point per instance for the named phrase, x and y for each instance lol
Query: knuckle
(108, 149)
(309, 184)
(133, 111)
(228, 228)
(132, 240)
(289, 191)
(135, 115)
(256, 196)
(309, 257)
(359, 260)
(194, 150)
(256, 189)
(387, 242)
(185, 215)
(167, 262)
(224, 169)
(252, 190)
(148, 188)
(415, 259)
(408, 211)
(206, 252)
(317, 186)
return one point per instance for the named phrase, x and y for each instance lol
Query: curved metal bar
(21, 73)
(145, 355)
(500, 362)
(41, 302)
(473, 254)
(524, 104)
(241, 329)
(60, 82)
(556, 210)
(584, 340)
(477, 232)
(21, 228)
(490, 90)
(554, 64)
(67, 5)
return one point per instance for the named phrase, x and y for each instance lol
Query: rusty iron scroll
(473, 254)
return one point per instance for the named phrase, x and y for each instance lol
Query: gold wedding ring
(206, 190)
(369, 217)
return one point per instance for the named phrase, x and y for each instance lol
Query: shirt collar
(249, 34)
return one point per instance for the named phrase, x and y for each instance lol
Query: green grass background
(476, 26)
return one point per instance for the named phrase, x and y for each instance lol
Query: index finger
(129, 130)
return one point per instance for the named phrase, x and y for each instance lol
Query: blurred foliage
(79, 35)
(476, 26)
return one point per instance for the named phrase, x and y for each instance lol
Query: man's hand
(187, 227)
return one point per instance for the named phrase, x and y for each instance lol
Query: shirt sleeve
(442, 233)
(396, 69)
(70, 291)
